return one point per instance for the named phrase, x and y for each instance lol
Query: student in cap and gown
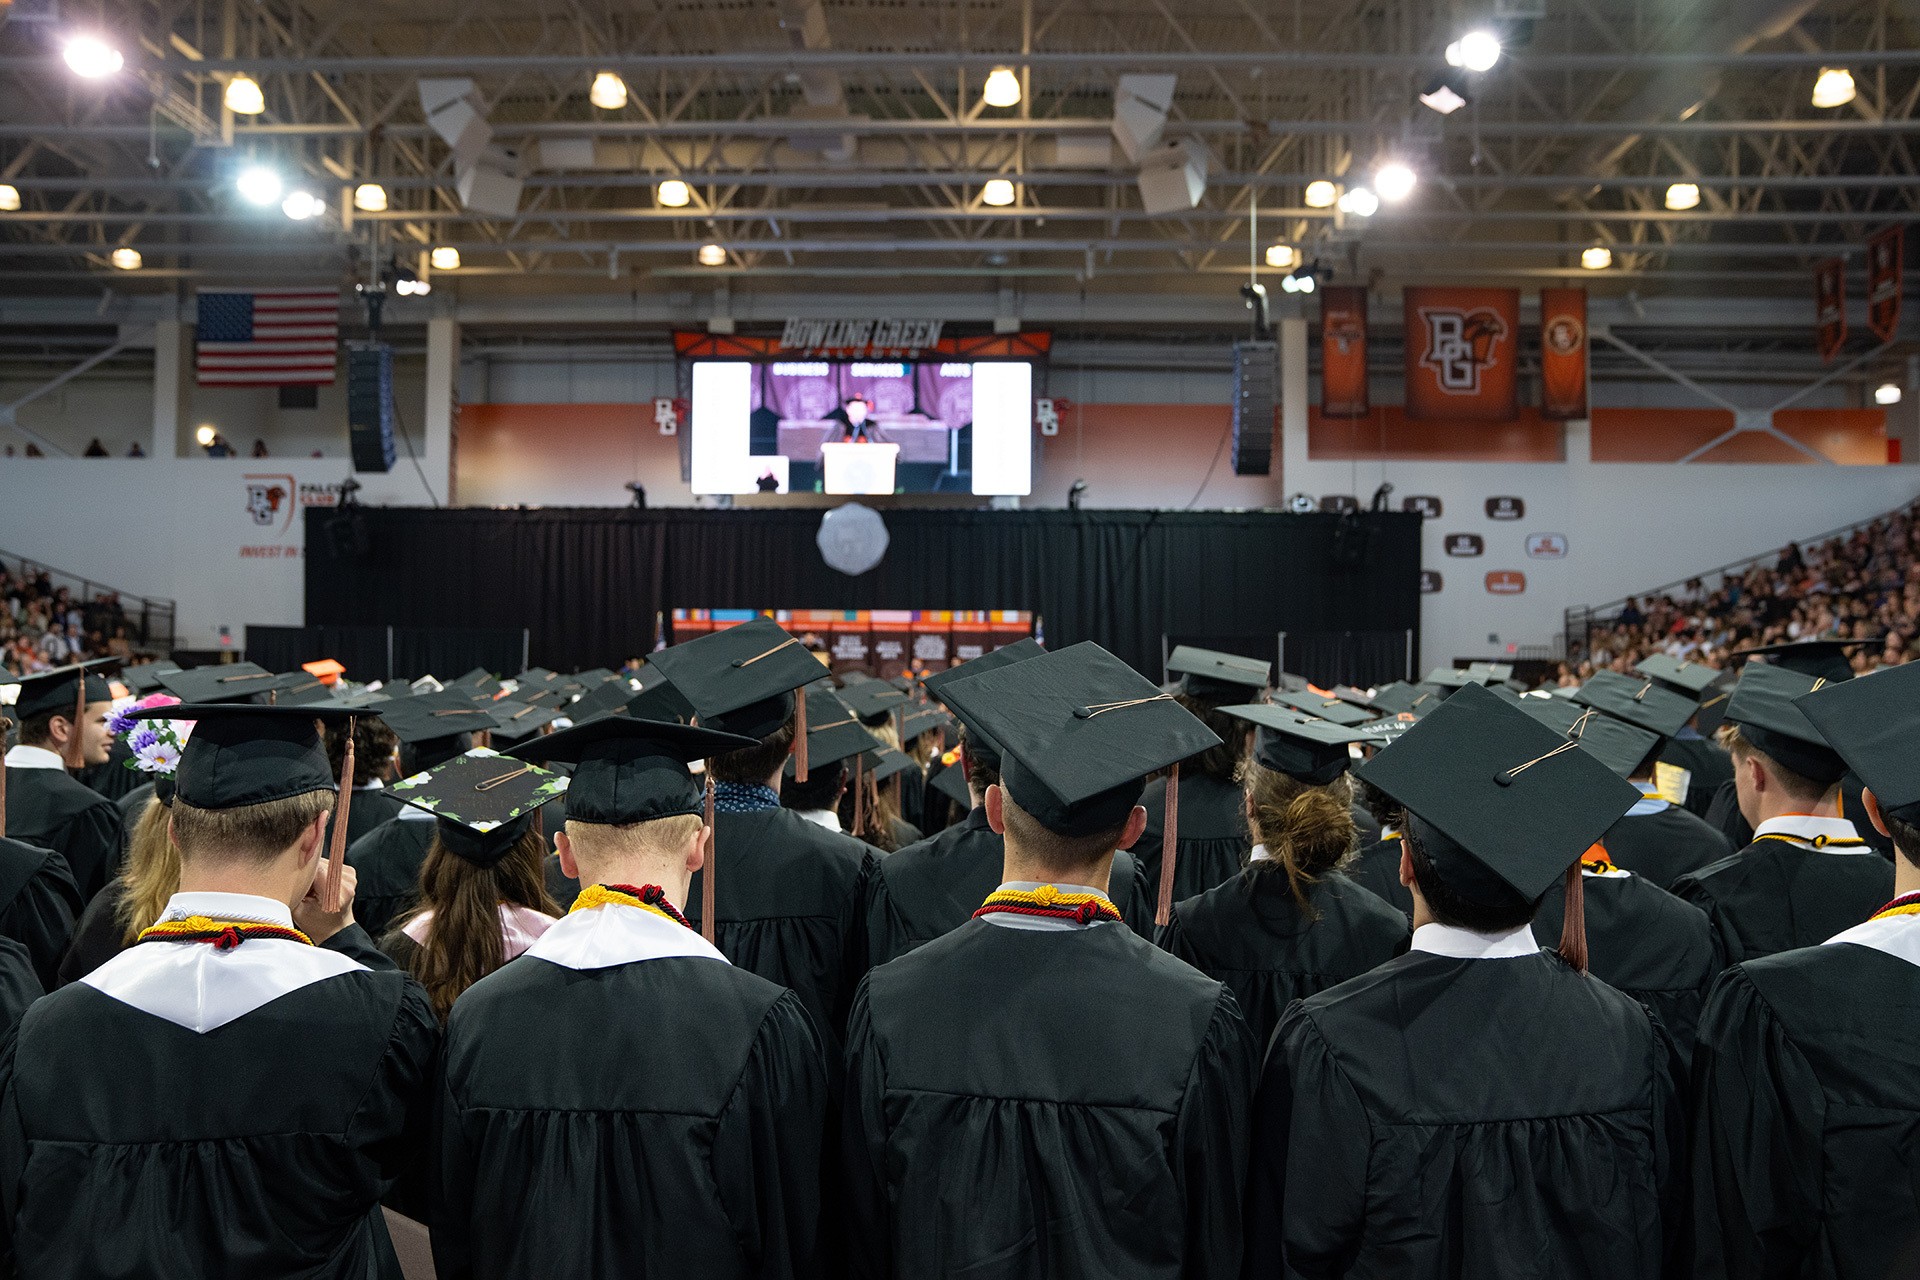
(1041, 1092)
(1656, 839)
(1808, 874)
(1807, 1078)
(887, 773)
(1640, 939)
(1692, 750)
(621, 1101)
(1212, 840)
(836, 740)
(225, 1099)
(38, 906)
(483, 896)
(1290, 924)
(1477, 1107)
(787, 894)
(62, 721)
(931, 888)
(432, 728)
(374, 757)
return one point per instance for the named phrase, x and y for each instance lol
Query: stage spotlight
(1598, 258)
(998, 192)
(609, 92)
(1321, 194)
(125, 258)
(1002, 88)
(370, 197)
(9, 197)
(1360, 202)
(1682, 196)
(205, 435)
(302, 205)
(1479, 50)
(91, 58)
(243, 96)
(1394, 181)
(673, 194)
(1887, 393)
(445, 258)
(1446, 95)
(1834, 88)
(1282, 256)
(712, 255)
(259, 185)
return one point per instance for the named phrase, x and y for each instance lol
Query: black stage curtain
(384, 653)
(591, 583)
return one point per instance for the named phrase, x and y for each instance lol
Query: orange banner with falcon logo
(1463, 353)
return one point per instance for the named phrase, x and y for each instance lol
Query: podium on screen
(852, 468)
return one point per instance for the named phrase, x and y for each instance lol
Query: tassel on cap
(706, 877)
(337, 852)
(859, 796)
(1169, 848)
(6, 726)
(799, 737)
(1573, 926)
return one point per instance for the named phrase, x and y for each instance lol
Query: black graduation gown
(133, 806)
(1724, 815)
(38, 903)
(1025, 1104)
(20, 986)
(134, 1147)
(1251, 934)
(933, 887)
(790, 897)
(1213, 841)
(113, 779)
(371, 808)
(48, 808)
(1806, 1131)
(1645, 942)
(1778, 894)
(1467, 1120)
(1708, 766)
(1376, 869)
(661, 1118)
(1663, 846)
(388, 860)
(561, 887)
(97, 936)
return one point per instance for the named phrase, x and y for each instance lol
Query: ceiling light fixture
(1833, 88)
(445, 258)
(370, 197)
(1282, 256)
(712, 255)
(1887, 393)
(302, 205)
(1360, 202)
(1598, 258)
(1478, 51)
(91, 58)
(1443, 95)
(673, 194)
(1321, 194)
(125, 258)
(243, 96)
(259, 185)
(1682, 196)
(1002, 88)
(609, 92)
(1394, 181)
(9, 197)
(998, 192)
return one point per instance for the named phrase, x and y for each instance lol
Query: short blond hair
(254, 832)
(661, 837)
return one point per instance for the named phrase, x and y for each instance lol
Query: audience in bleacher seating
(43, 626)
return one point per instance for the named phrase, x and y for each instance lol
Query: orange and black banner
(1885, 266)
(1830, 306)
(1343, 352)
(1463, 354)
(1563, 353)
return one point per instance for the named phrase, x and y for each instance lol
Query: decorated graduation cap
(1689, 679)
(1322, 707)
(1642, 703)
(1501, 804)
(1217, 676)
(483, 801)
(1305, 749)
(1871, 723)
(1383, 732)
(327, 669)
(1820, 659)
(429, 717)
(1615, 743)
(223, 682)
(1764, 706)
(1079, 731)
(145, 678)
(741, 680)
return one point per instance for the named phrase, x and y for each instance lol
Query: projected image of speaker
(1254, 368)
(370, 405)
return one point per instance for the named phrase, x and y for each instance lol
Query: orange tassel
(706, 878)
(1169, 849)
(859, 797)
(76, 758)
(800, 736)
(5, 726)
(1573, 927)
(337, 853)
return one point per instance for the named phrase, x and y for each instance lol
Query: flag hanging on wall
(1563, 353)
(1343, 352)
(267, 337)
(1830, 306)
(1885, 266)
(1463, 348)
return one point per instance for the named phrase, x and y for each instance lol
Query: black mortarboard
(980, 743)
(1713, 705)
(1380, 733)
(59, 690)
(603, 699)
(1510, 801)
(1615, 743)
(1490, 672)
(145, 678)
(1820, 659)
(1451, 678)
(923, 720)
(484, 802)
(513, 721)
(1217, 676)
(742, 679)
(354, 699)
(428, 717)
(1639, 702)
(1872, 723)
(478, 680)
(873, 701)
(1397, 698)
(299, 689)
(834, 733)
(1688, 679)
(1079, 731)
(1322, 707)
(629, 770)
(886, 763)
(950, 780)
(1354, 697)
(222, 682)
(245, 754)
(1307, 750)
(1763, 706)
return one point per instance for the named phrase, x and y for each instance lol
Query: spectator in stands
(95, 449)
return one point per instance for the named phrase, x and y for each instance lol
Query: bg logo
(1465, 544)
(1506, 582)
(267, 497)
(1564, 336)
(1460, 345)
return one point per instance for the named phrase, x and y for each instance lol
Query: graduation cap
(873, 701)
(327, 669)
(1713, 705)
(1215, 676)
(887, 764)
(224, 682)
(1354, 697)
(145, 678)
(479, 680)
(1820, 659)
(1615, 743)
(741, 680)
(1501, 804)
(1384, 732)
(1639, 702)
(980, 743)
(430, 717)
(69, 689)
(1322, 707)
(1453, 678)
(1079, 731)
(1872, 723)
(834, 732)
(1398, 698)
(923, 720)
(299, 688)
(604, 699)
(355, 699)
(514, 721)
(950, 780)
(484, 802)
(1490, 672)
(1688, 679)
(1764, 706)
(1305, 749)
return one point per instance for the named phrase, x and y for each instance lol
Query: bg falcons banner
(1463, 353)
(1563, 353)
(1830, 307)
(1343, 352)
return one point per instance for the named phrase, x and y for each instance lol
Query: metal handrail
(156, 614)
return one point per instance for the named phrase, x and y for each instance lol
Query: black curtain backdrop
(591, 583)
(383, 653)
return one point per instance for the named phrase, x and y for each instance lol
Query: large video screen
(862, 427)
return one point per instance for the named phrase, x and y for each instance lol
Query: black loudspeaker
(1255, 365)
(370, 405)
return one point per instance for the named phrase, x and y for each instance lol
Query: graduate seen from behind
(1041, 1092)
(1292, 923)
(1477, 1108)
(231, 1097)
(1807, 1075)
(621, 1101)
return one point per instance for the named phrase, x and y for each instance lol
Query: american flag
(267, 337)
